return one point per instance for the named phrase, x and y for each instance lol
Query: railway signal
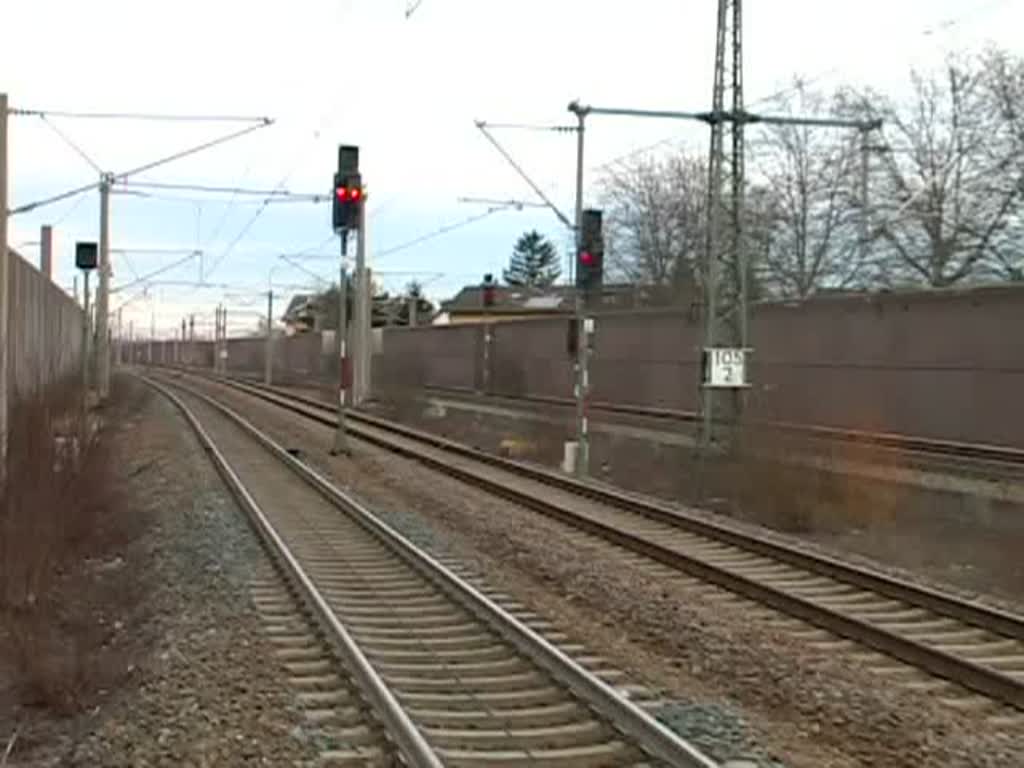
(349, 194)
(86, 255)
(348, 215)
(590, 255)
(348, 197)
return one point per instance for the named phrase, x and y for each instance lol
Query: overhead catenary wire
(225, 190)
(67, 140)
(294, 198)
(928, 31)
(290, 260)
(255, 217)
(801, 83)
(69, 212)
(131, 266)
(154, 273)
(116, 177)
(192, 150)
(157, 251)
(441, 231)
(534, 127)
(156, 116)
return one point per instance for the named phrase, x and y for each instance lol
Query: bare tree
(654, 219)
(1004, 76)
(805, 202)
(949, 193)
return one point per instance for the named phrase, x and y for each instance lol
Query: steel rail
(649, 734)
(410, 741)
(911, 443)
(976, 677)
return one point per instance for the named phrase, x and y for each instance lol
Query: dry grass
(63, 526)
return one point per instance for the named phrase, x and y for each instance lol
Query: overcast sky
(407, 91)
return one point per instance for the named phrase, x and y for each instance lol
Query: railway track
(938, 453)
(967, 653)
(453, 678)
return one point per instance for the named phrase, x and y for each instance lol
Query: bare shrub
(61, 516)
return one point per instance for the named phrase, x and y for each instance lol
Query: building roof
(300, 303)
(552, 300)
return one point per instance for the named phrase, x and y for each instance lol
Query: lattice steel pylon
(725, 271)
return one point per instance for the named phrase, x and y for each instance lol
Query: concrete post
(86, 344)
(119, 351)
(216, 340)
(268, 363)
(4, 288)
(366, 329)
(361, 307)
(103, 294)
(224, 341)
(582, 378)
(340, 435)
(46, 251)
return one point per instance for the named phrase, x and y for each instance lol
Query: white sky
(406, 91)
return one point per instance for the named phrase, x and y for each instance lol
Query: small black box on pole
(86, 255)
(348, 159)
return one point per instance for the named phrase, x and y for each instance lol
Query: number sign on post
(726, 367)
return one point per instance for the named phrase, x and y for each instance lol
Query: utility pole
(268, 363)
(4, 288)
(725, 268)
(361, 308)
(864, 223)
(340, 433)
(131, 342)
(725, 271)
(366, 343)
(152, 335)
(414, 303)
(46, 251)
(192, 339)
(348, 213)
(218, 320)
(224, 341)
(103, 292)
(219, 340)
(183, 341)
(86, 344)
(120, 339)
(582, 365)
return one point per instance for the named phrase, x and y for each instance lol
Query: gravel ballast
(799, 706)
(201, 688)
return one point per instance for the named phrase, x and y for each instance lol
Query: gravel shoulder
(189, 680)
(793, 703)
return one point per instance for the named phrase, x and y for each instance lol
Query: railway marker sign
(726, 367)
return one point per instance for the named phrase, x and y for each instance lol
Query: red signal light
(356, 193)
(586, 258)
(342, 193)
